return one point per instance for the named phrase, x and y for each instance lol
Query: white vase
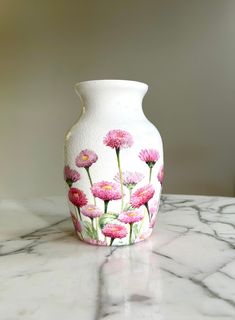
(113, 164)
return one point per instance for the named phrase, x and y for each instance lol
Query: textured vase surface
(113, 165)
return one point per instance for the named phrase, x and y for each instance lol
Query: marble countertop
(186, 270)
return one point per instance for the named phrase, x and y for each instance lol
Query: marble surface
(186, 270)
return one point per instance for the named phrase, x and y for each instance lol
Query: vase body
(113, 164)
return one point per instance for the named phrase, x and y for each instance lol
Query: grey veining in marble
(186, 270)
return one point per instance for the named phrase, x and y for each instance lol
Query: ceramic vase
(113, 165)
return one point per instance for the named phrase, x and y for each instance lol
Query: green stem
(79, 213)
(150, 173)
(130, 193)
(90, 180)
(147, 207)
(106, 202)
(77, 210)
(111, 241)
(130, 233)
(120, 174)
(93, 228)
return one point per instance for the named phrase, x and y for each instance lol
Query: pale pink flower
(86, 158)
(114, 231)
(76, 223)
(106, 191)
(77, 197)
(142, 196)
(160, 175)
(70, 175)
(130, 179)
(91, 211)
(150, 156)
(131, 216)
(118, 139)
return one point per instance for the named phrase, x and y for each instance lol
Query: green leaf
(88, 228)
(135, 230)
(107, 218)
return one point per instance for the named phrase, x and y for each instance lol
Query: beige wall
(184, 50)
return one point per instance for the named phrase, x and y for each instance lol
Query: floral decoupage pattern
(96, 224)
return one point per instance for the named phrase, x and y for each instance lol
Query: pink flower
(114, 231)
(106, 190)
(150, 156)
(130, 179)
(130, 216)
(70, 175)
(76, 223)
(142, 196)
(77, 197)
(86, 158)
(91, 211)
(118, 139)
(160, 175)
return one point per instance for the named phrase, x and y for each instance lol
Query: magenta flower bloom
(70, 176)
(160, 175)
(130, 179)
(76, 223)
(86, 158)
(91, 211)
(131, 216)
(150, 156)
(77, 197)
(114, 231)
(142, 196)
(106, 191)
(118, 139)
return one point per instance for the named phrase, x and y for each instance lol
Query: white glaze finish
(186, 270)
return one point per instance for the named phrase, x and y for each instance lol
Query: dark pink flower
(91, 211)
(142, 196)
(131, 216)
(76, 223)
(70, 175)
(118, 139)
(160, 175)
(150, 156)
(130, 179)
(106, 191)
(77, 197)
(86, 158)
(114, 231)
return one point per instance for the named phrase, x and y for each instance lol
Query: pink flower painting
(91, 211)
(118, 139)
(142, 196)
(70, 176)
(100, 226)
(86, 158)
(131, 216)
(106, 191)
(114, 231)
(130, 179)
(160, 175)
(150, 157)
(78, 198)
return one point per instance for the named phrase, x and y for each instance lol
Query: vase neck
(111, 97)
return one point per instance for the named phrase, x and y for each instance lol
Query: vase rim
(118, 82)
